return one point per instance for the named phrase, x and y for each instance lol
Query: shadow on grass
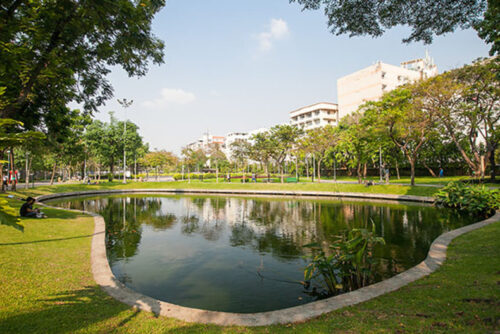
(48, 240)
(74, 310)
(65, 312)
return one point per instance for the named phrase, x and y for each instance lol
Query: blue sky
(239, 65)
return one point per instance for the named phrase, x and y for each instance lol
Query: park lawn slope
(46, 286)
(327, 187)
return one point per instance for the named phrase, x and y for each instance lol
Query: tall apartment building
(315, 116)
(370, 83)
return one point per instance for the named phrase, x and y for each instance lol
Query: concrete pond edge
(109, 283)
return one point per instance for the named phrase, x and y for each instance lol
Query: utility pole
(125, 104)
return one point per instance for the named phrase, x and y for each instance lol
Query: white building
(315, 116)
(235, 136)
(206, 141)
(370, 83)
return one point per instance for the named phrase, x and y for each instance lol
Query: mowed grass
(46, 286)
(196, 184)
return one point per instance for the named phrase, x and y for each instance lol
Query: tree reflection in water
(249, 246)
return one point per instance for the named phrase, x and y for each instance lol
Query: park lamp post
(125, 104)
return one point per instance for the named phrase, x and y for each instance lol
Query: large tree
(466, 102)
(282, 139)
(57, 51)
(402, 116)
(318, 142)
(425, 18)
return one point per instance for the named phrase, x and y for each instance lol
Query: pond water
(242, 254)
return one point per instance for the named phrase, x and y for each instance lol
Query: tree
(194, 158)
(401, 114)
(240, 153)
(282, 139)
(13, 134)
(480, 107)
(318, 142)
(356, 142)
(159, 160)
(466, 102)
(105, 141)
(262, 150)
(54, 52)
(488, 28)
(425, 18)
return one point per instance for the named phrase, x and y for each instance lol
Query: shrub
(475, 199)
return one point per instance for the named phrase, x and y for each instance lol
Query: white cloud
(170, 96)
(278, 29)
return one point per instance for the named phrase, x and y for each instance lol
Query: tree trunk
(358, 172)
(365, 169)
(319, 170)
(2, 155)
(267, 172)
(397, 170)
(53, 173)
(281, 173)
(27, 176)
(429, 169)
(493, 166)
(412, 171)
(13, 186)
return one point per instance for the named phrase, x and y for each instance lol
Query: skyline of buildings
(366, 84)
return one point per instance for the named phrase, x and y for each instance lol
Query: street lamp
(125, 104)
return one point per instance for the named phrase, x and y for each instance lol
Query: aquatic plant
(348, 264)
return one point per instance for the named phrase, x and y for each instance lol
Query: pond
(245, 254)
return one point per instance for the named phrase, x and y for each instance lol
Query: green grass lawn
(196, 184)
(46, 286)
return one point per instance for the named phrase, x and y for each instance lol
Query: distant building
(235, 136)
(370, 83)
(206, 141)
(315, 116)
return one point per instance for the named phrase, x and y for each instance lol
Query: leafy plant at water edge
(475, 199)
(348, 266)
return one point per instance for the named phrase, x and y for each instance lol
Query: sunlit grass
(46, 286)
(197, 184)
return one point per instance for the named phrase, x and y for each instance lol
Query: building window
(383, 75)
(384, 87)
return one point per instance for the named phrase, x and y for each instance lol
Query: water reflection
(245, 254)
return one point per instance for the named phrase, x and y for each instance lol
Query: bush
(475, 199)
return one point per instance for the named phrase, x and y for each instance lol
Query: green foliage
(488, 29)
(348, 265)
(476, 199)
(55, 52)
(425, 18)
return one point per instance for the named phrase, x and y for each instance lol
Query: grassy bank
(196, 184)
(46, 286)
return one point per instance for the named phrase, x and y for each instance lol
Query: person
(5, 181)
(28, 211)
(441, 172)
(254, 177)
(387, 175)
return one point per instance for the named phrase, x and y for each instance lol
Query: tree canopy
(54, 52)
(426, 18)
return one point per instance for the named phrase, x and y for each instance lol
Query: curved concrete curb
(408, 198)
(108, 282)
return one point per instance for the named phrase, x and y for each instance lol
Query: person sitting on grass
(28, 211)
